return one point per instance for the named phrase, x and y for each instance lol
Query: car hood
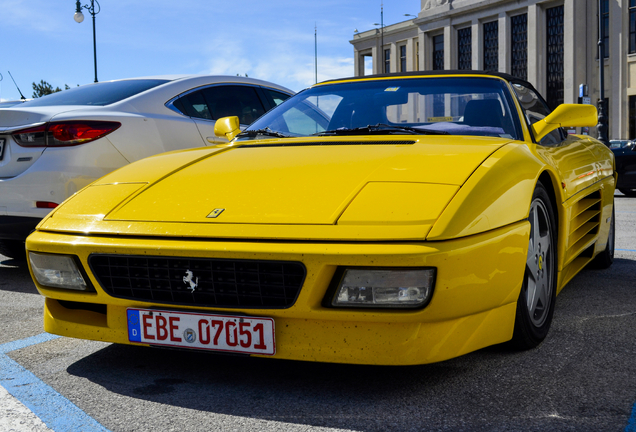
(273, 188)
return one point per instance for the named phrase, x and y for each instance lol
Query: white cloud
(281, 63)
(267, 40)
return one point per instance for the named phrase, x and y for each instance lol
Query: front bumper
(478, 282)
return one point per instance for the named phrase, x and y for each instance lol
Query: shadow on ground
(15, 276)
(576, 380)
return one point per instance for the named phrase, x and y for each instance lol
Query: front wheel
(535, 305)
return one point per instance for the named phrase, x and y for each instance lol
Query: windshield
(103, 93)
(445, 105)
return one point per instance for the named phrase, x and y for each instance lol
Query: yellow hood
(344, 183)
(306, 184)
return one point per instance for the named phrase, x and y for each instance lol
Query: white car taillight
(66, 133)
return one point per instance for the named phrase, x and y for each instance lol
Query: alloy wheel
(539, 264)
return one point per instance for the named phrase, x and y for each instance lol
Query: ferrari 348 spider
(392, 219)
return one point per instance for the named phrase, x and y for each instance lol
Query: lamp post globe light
(79, 17)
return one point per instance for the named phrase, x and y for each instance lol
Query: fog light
(399, 288)
(57, 271)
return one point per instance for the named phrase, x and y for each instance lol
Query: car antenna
(16, 86)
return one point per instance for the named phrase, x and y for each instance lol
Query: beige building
(553, 44)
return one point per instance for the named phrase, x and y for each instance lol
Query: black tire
(535, 305)
(628, 192)
(605, 259)
(13, 249)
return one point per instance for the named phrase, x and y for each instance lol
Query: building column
(536, 49)
(411, 57)
(617, 111)
(377, 61)
(582, 46)
(504, 42)
(627, 82)
(449, 44)
(393, 56)
(476, 42)
(570, 40)
(424, 50)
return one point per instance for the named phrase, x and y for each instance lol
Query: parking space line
(57, 412)
(23, 343)
(625, 250)
(631, 424)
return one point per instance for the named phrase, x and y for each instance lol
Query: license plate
(2, 141)
(230, 333)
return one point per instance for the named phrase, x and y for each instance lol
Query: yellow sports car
(393, 219)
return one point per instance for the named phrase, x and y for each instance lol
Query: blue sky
(270, 40)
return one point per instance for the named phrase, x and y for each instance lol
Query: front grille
(219, 282)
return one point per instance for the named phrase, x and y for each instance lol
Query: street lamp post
(381, 24)
(79, 17)
(602, 116)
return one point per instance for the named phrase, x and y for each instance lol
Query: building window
(491, 46)
(403, 58)
(554, 66)
(464, 49)
(519, 46)
(387, 61)
(367, 64)
(632, 117)
(632, 26)
(605, 27)
(438, 52)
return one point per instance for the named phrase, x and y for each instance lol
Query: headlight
(57, 271)
(386, 288)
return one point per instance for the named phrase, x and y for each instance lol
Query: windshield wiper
(382, 128)
(265, 131)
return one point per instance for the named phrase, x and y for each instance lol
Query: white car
(10, 103)
(55, 145)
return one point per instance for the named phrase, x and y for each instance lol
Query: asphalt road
(582, 378)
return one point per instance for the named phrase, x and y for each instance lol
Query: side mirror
(227, 127)
(573, 115)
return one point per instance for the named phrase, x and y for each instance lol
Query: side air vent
(585, 220)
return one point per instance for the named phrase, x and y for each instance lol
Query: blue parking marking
(631, 424)
(626, 250)
(57, 412)
(22, 343)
